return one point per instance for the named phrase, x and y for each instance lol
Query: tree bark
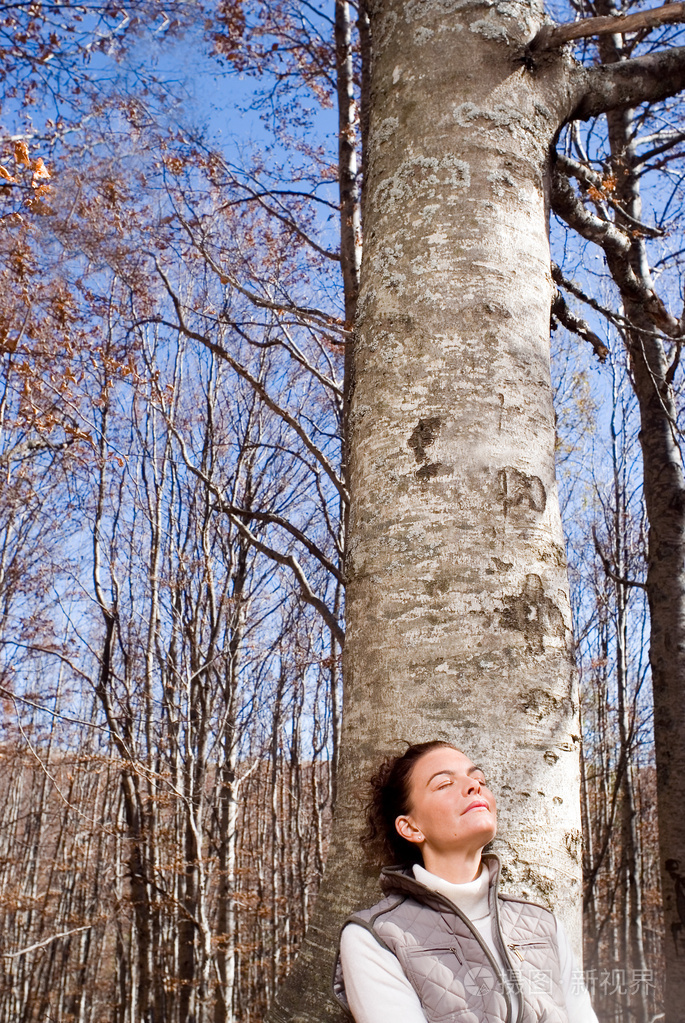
(457, 593)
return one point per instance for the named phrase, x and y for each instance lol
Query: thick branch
(646, 79)
(31, 447)
(563, 282)
(589, 178)
(617, 246)
(569, 206)
(550, 37)
(621, 323)
(576, 325)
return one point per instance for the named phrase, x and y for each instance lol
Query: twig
(609, 571)
(46, 941)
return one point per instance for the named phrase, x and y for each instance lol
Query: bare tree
(602, 201)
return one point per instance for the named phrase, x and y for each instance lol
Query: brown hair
(390, 786)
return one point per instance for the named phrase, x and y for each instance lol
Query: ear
(408, 830)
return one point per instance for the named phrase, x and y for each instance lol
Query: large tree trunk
(458, 619)
(458, 614)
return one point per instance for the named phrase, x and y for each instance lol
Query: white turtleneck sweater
(378, 990)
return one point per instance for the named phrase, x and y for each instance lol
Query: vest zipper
(456, 952)
(497, 934)
(515, 950)
(506, 958)
(504, 982)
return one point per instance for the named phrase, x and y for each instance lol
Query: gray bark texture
(458, 616)
(459, 623)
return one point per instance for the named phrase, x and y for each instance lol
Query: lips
(476, 805)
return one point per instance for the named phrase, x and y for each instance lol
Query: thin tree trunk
(122, 736)
(664, 489)
(225, 933)
(275, 833)
(633, 938)
(350, 210)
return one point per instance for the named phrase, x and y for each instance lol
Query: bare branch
(570, 208)
(287, 560)
(306, 315)
(53, 780)
(617, 245)
(622, 323)
(287, 220)
(254, 382)
(551, 37)
(46, 710)
(589, 178)
(670, 142)
(279, 520)
(31, 447)
(627, 83)
(577, 326)
(608, 569)
(45, 941)
(291, 562)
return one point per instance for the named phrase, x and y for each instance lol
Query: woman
(443, 944)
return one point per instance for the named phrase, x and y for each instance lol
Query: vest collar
(400, 880)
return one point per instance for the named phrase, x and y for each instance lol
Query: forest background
(173, 327)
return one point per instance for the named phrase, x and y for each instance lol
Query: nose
(472, 786)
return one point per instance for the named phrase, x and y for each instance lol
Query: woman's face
(451, 809)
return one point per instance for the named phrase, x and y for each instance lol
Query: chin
(487, 834)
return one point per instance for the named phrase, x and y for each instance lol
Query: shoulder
(512, 906)
(366, 918)
(525, 904)
(358, 939)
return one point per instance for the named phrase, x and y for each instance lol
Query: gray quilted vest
(449, 965)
